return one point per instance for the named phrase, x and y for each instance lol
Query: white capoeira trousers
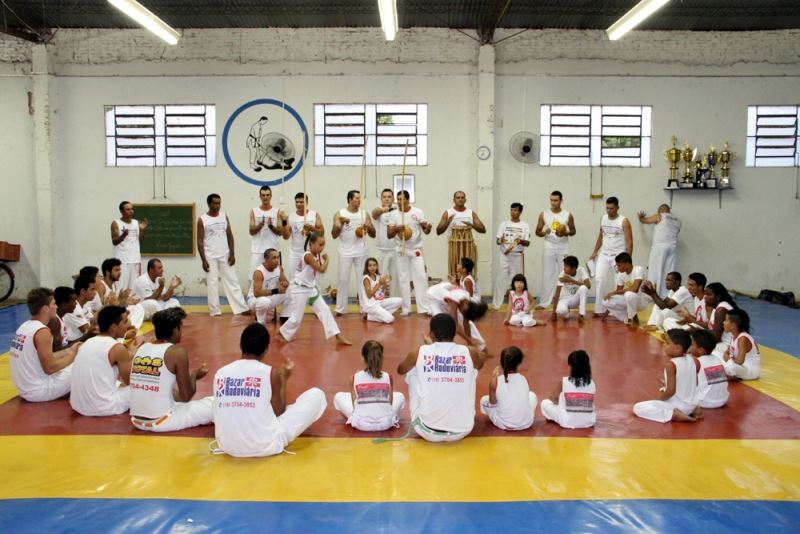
(218, 269)
(151, 306)
(343, 402)
(382, 311)
(347, 264)
(742, 372)
(508, 265)
(625, 307)
(414, 399)
(604, 263)
(183, 415)
(130, 272)
(657, 410)
(262, 305)
(497, 420)
(302, 413)
(411, 266)
(661, 262)
(136, 314)
(522, 319)
(658, 317)
(578, 300)
(387, 264)
(552, 263)
(298, 298)
(52, 387)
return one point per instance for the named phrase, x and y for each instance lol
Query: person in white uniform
(101, 364)
(304, 290)
(126, 234)
(572, 290)
(406, 225)
(162, 385)
(66, 301)
(251, 417)
(510, 403)
(678, 298)
(665, 244)
(93, 273)
(512, 238)
(80, 320)
(301, 223)
(454, 300)
(385, 247)
(466, 280)
(720, 302)
(627, 299)
(742, 359)
(350, 225)
(216, 248)
(460, 216)
(38, 373)
(677, 399)
(266, 226)
(697, 316)
(571, 405)
(615, 236)
(371, 405)
(555, 226)
(520, 304)
(151, 291)
(268, 286)
(441, 379)
(712, 382)
(375, 305)
(113, 294)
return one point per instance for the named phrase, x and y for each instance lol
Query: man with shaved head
(665, 243)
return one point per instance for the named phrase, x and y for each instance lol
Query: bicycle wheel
(6, 281)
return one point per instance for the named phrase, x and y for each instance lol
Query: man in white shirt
(406, 226)
(678, 298)
(266, 226)
(216, 248)
(615, 236)
(571, 291)
(386, 250)
(350, 224)
(512, 238)
(665, 243)
(79, 321)
(151, 291)
(126, 234)
(38, 373)
(268, 288)
(112, 270)
(697, 316)
(460, 216)
(627, 299)
(555, 226)
(301, 223)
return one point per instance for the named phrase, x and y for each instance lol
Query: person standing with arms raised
(460, 217)
(615, 237)
(126, 234)
(349, 227)
(386, 252)
(555, 226)
(266, 226)
(665, 243)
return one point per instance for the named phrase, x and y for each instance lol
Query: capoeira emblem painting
(264, 141)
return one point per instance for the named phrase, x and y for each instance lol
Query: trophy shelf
(719, 191)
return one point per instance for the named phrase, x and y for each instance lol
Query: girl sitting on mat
(572, 403)
(375, 305)
(742, 359)
(520, 305)
(510, 403)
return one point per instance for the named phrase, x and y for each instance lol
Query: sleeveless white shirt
(446, 387)
(297, 239)
(215, 243)
(26, 370)
(753, 357)
(350, 245)
(576, 404)
(460, 218)
(373, 403)
(270, 279)
(712, 382)
(513, 401)
(245, 424)
(94, 379)
(127, 251)
(306, 275)
(379, 294)
(554, 221)
(685, 397)
(476, 292)
(666, 230)
(518, 303)
(613, 235)
(700, 312)
(382, 241)
(413, 218)
(726, 336)
(265, 238)
(151, 382)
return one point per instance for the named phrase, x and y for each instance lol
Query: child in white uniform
(467, 281)
(375, 305)
(712, 383)
(720, 302)
(454, 300)
(571, 405)
(625, 302)
(510, 403)
(371, 404)
(572, 289)
(742, 359)
(520, 305)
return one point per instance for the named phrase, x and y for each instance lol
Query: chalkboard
(171, 229)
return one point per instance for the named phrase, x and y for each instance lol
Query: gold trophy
(688, 157)
(725, 157)
(673, 156)
(711, 180)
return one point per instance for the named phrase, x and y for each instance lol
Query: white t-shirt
(382, 241)
(151, 382)
(513, 401)
(446, 387)
(94, 388)
(627, 279)
(265, 238)
(666, 230)
(569, 290)
(683, 298)
(613, 235)
(413, 218)
(554, 221)
(296, 222)
(144, 287)
(350, 245)
(215, 242)
(712, 382)
(510, 231)
(127, 251)
(373, 403)
(74, 321)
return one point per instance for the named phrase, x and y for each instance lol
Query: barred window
(161, 136)
(773, 136)
(597, 136)
(342, 131)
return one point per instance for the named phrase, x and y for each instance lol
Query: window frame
(771, 142)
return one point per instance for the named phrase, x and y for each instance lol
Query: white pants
(347, 264)
(655, 410)
(262, 305)
(53, 387)
(661, 262)
(218, 268)
(552, 264)
(343, 402)
(302, 413)
(578, 300)
(522, 319)
(298, 298)
(387, 263)
(496, 419)
(411, 266)
(659, 316)
(381, 311)
(425, 433)
(743, 372)
(624, 307)
(672, 322)
(604, 263)
(551, 412)
(508, 265)
(130, 272)
(151, 306)
(136, 315)
(183, 415)
(119, 402)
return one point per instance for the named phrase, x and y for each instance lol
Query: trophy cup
(688, 174)
(673, 156)
(701, 171)
(725, 157)
(711, 179)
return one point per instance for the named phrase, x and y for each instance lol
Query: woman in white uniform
(572, 403)
(742, 359)
(375, 305)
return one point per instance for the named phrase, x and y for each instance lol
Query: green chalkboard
(171, 229)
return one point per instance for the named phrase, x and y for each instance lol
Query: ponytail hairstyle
(372, 352)
(510, 358)
(580, 369)
(740, 318)
(721, 293)
(312, 237)
(519, 278)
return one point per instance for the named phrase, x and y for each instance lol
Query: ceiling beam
(490, 19)
(23, 34)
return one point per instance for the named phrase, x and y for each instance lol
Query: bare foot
(340, 339)
(581, 319)
(602, 315)
(698, 413)
(279, 337)
(363, 316)
(635, 320)
(339, 314)
(681, 417)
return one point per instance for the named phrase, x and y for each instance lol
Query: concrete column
(40, 81)
(484, 204)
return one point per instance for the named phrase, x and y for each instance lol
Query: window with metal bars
(773, 136)
(161, 136)
(597, 136)
(345, 134)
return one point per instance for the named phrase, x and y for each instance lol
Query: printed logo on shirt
(518, 305)
(145, 365)
(715, 374)
(249, 386)
(16, 345)
(579, 402)
(372, 393)
(445, 364)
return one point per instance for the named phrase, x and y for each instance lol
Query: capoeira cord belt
(419, 424)
(312, 299)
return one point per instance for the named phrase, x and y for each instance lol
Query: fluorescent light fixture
(634, 17)
(147, 19)
(388, 10)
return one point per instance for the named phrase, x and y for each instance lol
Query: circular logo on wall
(264, 141)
